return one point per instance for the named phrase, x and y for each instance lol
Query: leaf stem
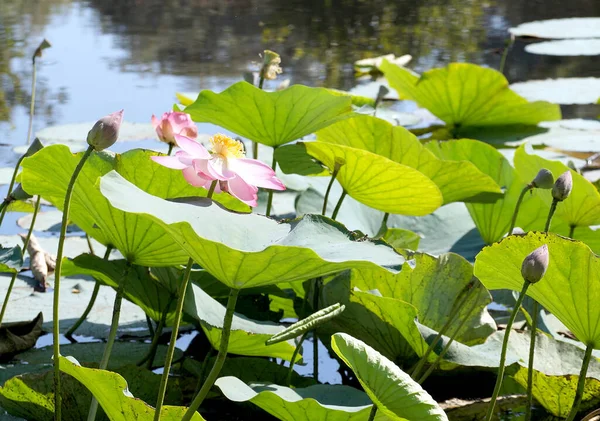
(316, 291)
(383, 227)
(219, 361)
(181, 293)
(294, 356)
(505, 54)
(270, 197)
(511, 320)
(112, 334)
(534, 317)
(339, 205)
(550, 214)
(23, 250)
(334, 174)
(372, 413)
(89, 243)
(517, 206)
(4, 205)
(56, 298)
(581, 382)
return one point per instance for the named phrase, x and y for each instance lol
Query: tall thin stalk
(294, 356)
(57, 272)
(581, 382)
(4, 206)
(316, 291)
(334, 174)
(507, 48)
(513, 221)
(534, 316)
(339, 204)
(270, 198)
(149, 357)
(24, 249)
(550, 215)
(219, 361)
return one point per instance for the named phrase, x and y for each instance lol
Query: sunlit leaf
(270, 118)
(402, 239)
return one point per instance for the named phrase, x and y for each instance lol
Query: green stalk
(316, 287)
(339, 205)
(534, 317)
(383, 227)
(333, 176)
(90, 305)
(270, 198)
(372, 413)
(174, 333)
(581, 382)
(511, 320)
(24, 249)
(550, 214)
(89, 243)
(517, 206)
(112, 334)
(170, 149)
(294, 356)
(220, 360)
(505, 54)
(32, 104)
(572, 231)
(255, 150)
(4, 205)
(56, 298)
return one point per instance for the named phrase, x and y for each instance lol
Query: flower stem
(170, 149)
(56, 298)
(211, 191)
(511, 320)
(339, 205)
(112, 334)
(505, 54)
(90, 305)
(270, 198)
(32, 104)
(255, 150)
(534, 316)
(550, 214)
(171, 350)
(4, 205)
(581, 382)
(294, 356)
(23, 250)
(316, 290)
(517, 206)
(220, 360)
(372, 413)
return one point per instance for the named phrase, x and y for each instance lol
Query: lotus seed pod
(19, 194)
(543, 180)
(271, 62)
(105, 132)
(562, 187)
(535, 264)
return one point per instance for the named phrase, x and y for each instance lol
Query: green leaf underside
(270, 118)
(11, 259)
(318, 402)
(48, 172)
(402, 239)
(379, 182)
(457, 180)
(223, 242)
(570, 289)
(110, 389)
(464, 94)
(392, 390)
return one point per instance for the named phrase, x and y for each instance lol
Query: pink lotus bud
(535, 264)
(105, 132)
(174, 123)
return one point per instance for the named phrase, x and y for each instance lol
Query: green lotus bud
(105, 132)
(19, 194)
(543, 180)
(562, 187)
(535, 264)
(35, 146)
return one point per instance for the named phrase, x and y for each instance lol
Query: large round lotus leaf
(572, 90)
(74, 133)
(270, 118)
(465, 95)
(559, 28)
(321, 402)
(393, 391)
(248, 250)
(570, 288)
(47, 173)
(379, 182)
(566, 47)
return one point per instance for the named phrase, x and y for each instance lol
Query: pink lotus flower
(226, 163)
(172, 123)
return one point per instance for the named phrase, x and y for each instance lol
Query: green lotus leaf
(110, 389)
(493, 219)
(379, 182)
(21, 206)
(570, 288)
(245, 251)
(11, 259)
(293, 159)
(270, 118)
(48, 172)
(393, 391)
(458, 181)
(401, 239)
(581, 208)
(464, 95)
(320, 402)
(357, 100)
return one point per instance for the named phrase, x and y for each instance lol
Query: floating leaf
(314, 403)
(379, 182)
(464, 95)
(11, 259)
(566, 137)
(392, 390)
(559, 28)
(458, 181)
(244, 251)
(566, 47)
(572, 90)
(270, 118)
(77, 133)
(570, 289)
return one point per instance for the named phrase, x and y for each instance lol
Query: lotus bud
(172, 123)
(105, 132)
(271, 62)
(543, 180)
(19, 194)
(562, 187)
(35, 146)
(535, 264)
(38, 51)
